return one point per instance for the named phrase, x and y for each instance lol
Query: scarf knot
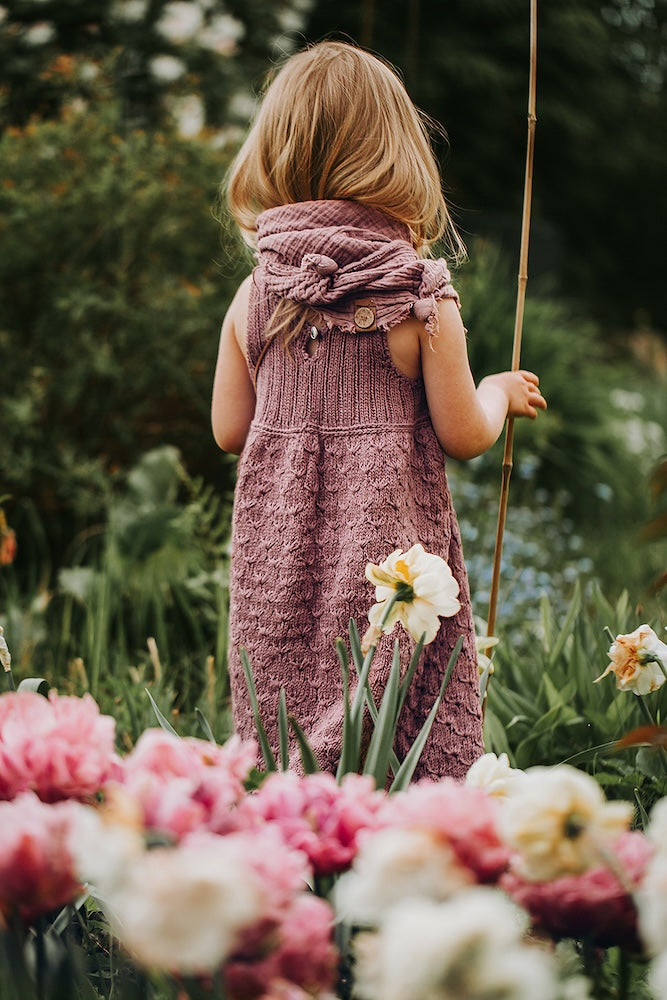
(326, 253)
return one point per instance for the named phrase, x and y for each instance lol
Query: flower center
(404, 592)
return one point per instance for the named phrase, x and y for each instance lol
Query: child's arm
(468, 420)
(233, 404)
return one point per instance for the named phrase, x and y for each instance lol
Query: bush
(113, 285)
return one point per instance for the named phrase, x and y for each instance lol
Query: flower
(167, 68)
(7, 541)
(557, 821)
(180, 21)
(59, 747)
(183, 785)
(652, 895)
(37, 873)
(658, 976)
(396, 864)
(298, 955)
(222, 34)
(315, 815)
(639, 661)
(465, 818)
(422, 588)
(493, 774)
(189, 114)
(470, 948)
(482, 643)
(39, 33)
(184, 908)
(597, 904)
(5, 655)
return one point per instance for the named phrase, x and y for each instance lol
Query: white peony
(558, 822)
(493, 774)
(393, 865)
(468, 949)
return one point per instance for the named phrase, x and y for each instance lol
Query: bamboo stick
(518, 319)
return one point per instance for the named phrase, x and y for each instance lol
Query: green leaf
(495, 737)
(265, 746)
(407, 768)
(283, 734)
(410, 672)
(351, 741)
(382, 740)
(308, 759)
(570, 619)
(204, 723)
(163, 721)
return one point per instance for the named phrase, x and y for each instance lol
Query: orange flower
(7, 541)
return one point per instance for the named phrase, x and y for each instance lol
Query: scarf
(324, 253)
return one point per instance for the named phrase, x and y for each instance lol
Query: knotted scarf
(324, 253)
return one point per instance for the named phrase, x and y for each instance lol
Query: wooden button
(364, 317)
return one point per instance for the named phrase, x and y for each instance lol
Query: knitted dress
(341, 466)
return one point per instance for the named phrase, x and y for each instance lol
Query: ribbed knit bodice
(348, 384)
(341, 467)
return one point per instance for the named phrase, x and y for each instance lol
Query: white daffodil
(393, 865)
(5, 655)
(558, 822)
(415, 588)
(482, 644)
(493, 774)
(638, 660)
(470, 948)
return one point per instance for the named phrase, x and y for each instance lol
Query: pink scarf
(323, 253)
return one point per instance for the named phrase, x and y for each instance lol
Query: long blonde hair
(336, 122)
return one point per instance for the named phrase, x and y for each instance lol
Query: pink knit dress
(341, 467)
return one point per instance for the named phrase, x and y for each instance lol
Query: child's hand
(524, 398)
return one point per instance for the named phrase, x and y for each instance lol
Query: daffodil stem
(646, 710)
(11, 686)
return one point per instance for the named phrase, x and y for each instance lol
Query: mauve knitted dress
(341, 467)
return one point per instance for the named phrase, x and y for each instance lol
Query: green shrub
(113, 284)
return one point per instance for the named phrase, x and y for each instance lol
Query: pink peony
(183, 785)
(315, 815)
(60, 747)
(464, 816)
(594, 904)
(299, 955)
(36, 867)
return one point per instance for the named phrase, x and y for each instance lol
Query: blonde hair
(337, 122)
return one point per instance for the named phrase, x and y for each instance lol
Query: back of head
(337, 123)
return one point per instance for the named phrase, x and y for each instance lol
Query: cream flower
(423, 588)
(470, 948)
(638, 660)
(396, 864)
(493, 774)
(558, 822)
(482, 643)
(182, 908)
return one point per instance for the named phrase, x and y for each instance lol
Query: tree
(601, 156)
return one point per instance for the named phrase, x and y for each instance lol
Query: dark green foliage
(113, 285)
(600, 157)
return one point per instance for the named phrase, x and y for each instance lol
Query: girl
(342, 377)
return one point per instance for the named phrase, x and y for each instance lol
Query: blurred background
(119, 119)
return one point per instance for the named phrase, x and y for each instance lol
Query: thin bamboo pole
(518, 319)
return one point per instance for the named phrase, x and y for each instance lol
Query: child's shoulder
(237, 314)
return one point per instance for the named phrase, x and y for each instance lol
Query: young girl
(342, 377)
